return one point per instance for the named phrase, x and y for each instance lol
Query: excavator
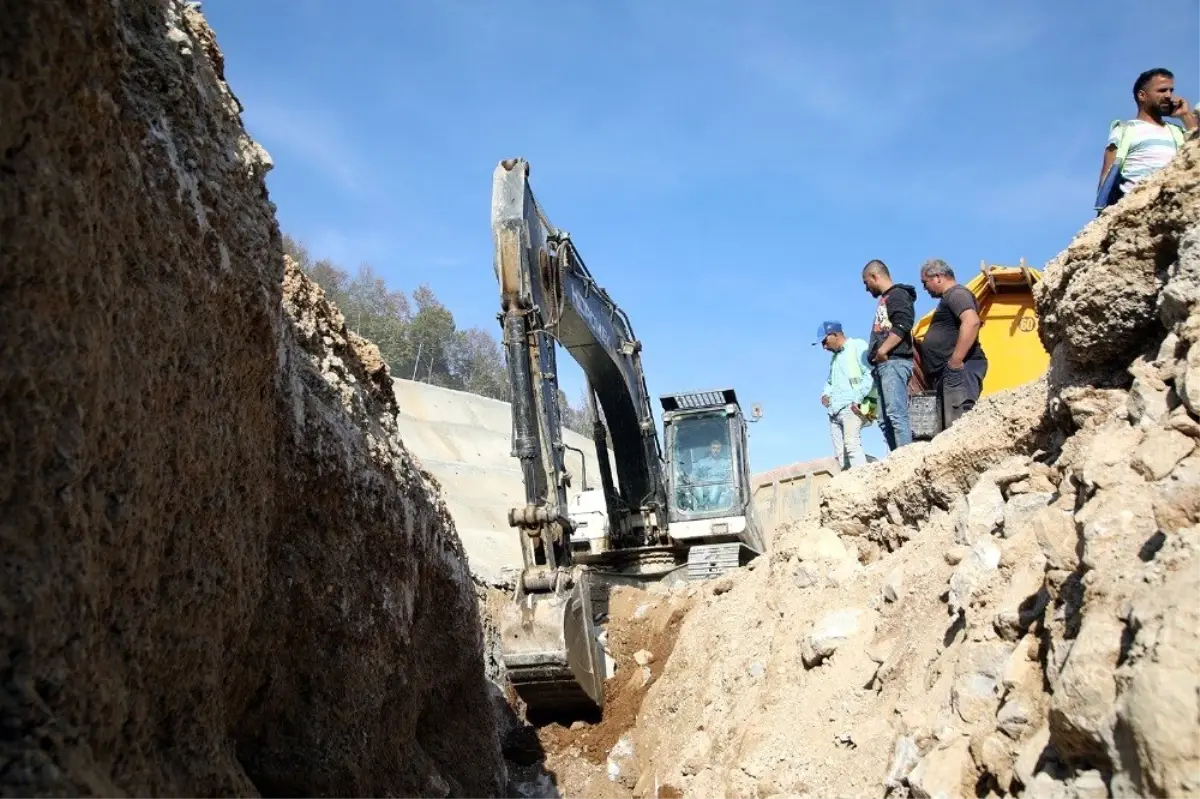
(688, 515)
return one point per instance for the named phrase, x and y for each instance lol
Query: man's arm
(968, 330)
(901, 314)
(886, 346)
(962, 305)
(1110, 155)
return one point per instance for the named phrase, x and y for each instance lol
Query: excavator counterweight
(687, 515)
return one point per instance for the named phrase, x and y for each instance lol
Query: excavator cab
(709, 496)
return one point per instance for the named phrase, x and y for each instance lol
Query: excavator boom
(548, 296)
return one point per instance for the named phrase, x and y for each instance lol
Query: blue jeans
(958, 389)
(891, 380)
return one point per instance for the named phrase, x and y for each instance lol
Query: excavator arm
(549, 297)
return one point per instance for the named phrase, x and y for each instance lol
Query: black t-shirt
(943, 330)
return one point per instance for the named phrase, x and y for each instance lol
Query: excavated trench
(227, 573)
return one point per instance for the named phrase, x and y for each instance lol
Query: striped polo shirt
(1150, 149)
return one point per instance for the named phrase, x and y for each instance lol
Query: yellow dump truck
(1009, 335)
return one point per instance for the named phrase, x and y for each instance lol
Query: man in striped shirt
(1152, 142)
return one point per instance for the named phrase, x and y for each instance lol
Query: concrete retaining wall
(465, 441)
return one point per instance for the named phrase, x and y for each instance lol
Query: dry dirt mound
(640, 638)
(223, 574)
(1009, 610)
(589, 758)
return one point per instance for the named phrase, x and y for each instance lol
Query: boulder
(904, 759)
(1177, 499)
(1021, 508)
(830, 632)
(893, 586)
(1083, 697)
(1162, 448)
(1116, 523)
(1157, 713)
(945, 773)
(1149, 402)
(1188, 382)
(982, 559)
(978, 672)
(1183, 422)
(981, 512)
(1106, 461)
(1055, 532)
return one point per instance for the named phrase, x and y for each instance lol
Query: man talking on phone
(1149, 143)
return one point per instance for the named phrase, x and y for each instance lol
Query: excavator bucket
(551, 651)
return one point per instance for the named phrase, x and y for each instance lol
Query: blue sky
(724, 168)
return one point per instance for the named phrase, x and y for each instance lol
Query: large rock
(1082, 708)
(1158, 713)
(223, 573)
(830, 631)
(1188, 382)
(1176, 499)
(981, 512)
(944, 773)
(1098, 301)
(977, 681)
(970, 575)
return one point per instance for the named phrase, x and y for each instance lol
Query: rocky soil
(223, 573)
(1012, 609)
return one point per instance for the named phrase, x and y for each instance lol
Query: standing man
(848, 384)
(951, 354)
(1145, 144)
(891, 350)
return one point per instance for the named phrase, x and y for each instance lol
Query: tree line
(417, 335)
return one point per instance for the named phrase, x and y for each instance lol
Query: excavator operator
(710, 478)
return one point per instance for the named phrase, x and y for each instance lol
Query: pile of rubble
(1008, 610)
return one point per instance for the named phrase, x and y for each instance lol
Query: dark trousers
(958, 389)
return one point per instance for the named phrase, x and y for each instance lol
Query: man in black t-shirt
(953, 360)
(890, 350)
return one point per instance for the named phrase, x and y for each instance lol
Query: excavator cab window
(703, 465)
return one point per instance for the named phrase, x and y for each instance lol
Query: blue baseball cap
(827, 329)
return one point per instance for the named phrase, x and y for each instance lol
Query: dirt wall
(223, 574)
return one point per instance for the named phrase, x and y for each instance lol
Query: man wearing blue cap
(847, 386)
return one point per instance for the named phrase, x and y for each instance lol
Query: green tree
(478, 364)
(418, 337)
(431, 335)
(377, 313)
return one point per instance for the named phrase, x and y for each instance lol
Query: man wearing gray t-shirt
(950, 353)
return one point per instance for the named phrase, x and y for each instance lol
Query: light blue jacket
(847, 385)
